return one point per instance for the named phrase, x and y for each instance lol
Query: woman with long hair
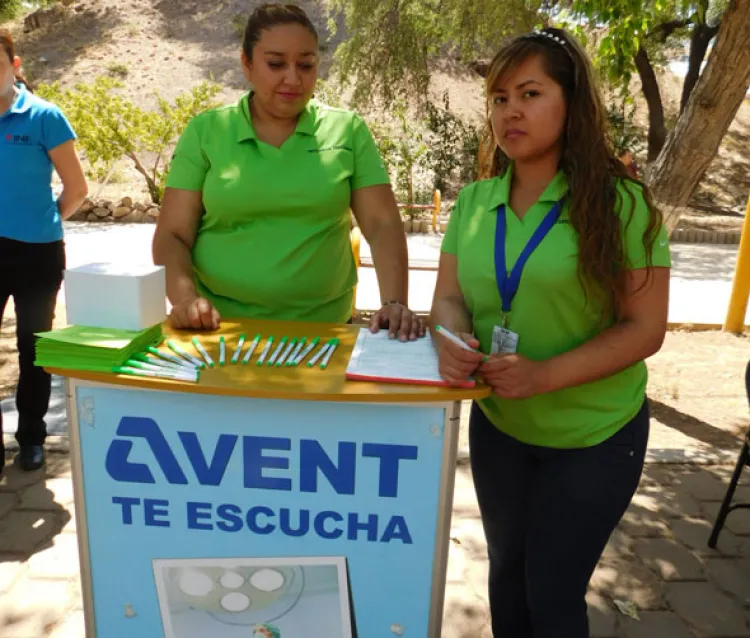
(555, 270)
(35, 138)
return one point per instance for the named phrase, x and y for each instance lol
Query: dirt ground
(167, 46)
(697, 391)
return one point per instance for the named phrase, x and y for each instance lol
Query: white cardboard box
(106, 295)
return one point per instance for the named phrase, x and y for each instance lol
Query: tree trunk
(699, 42)
(153, 189)
(657, 129)
(714, 102)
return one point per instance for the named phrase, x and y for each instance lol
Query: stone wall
(124, 210)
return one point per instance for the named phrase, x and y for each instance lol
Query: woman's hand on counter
(195, 314)
(400, 321)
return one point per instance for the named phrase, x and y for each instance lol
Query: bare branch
(665, 29)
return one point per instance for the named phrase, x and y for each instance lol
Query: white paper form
(377, 358)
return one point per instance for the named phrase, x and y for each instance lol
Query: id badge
(504, 341)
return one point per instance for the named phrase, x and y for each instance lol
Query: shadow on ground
(47, 56)
(217, 29)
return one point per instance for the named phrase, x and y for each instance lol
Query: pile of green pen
(182, 366)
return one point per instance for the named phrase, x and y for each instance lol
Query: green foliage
(239, 22)
(628, 22)
(13, 8)
(403, 150)
(454, 145)
(117, 70)
(410, 153)
(109, 126)
(393, 41)
(9, 9)
(328, 93)
(635, 24)
(624, 134)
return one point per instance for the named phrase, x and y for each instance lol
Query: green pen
(150, 367)
(264, 354)
(172, 358)
(286, 352)
(237, 352)
(164, 365)
(199, 347)
(276, 352)
(297, 350)
(140, 372)
(181, 353)
(329, 354)
(321, 353)
(135, 363)
(306, 351)
(251, 348)
(222, 350)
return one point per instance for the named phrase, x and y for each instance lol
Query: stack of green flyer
(93, 349)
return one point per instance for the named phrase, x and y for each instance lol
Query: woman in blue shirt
(35, 137)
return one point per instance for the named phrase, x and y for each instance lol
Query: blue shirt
(28, 131)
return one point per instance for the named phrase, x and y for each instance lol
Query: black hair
(267, 16)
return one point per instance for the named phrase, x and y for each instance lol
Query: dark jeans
(31, 274)
(547, 516)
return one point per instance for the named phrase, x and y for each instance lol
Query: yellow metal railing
(434, 207)
(356, 233)
(735, 321)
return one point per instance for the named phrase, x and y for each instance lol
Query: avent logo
(257, 454)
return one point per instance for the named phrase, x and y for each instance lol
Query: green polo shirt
(274, 239)
(550, 311)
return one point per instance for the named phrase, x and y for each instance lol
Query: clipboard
(379, 359)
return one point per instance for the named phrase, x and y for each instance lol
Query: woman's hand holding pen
(457, 364)
(194, 313)
(513, 376)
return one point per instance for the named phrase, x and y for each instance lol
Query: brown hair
(6, 42)
(267, 16)
(588, 161)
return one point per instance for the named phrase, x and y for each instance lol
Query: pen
(237, 352)
(163, 365)
(175, 376)
(251, 348)
(457, 340)
(276, 352)
(222, 350)
(180, 352)
(203, 352)
(132, 363)
(319, 354)
(297, 350)
(306, 351)
(264, 354)
(179, 361)
(286, 352)
(328, 356)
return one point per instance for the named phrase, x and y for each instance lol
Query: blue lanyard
(508, 283)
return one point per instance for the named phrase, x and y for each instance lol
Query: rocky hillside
(166, 46)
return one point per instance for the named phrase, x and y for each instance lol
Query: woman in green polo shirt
(255, 220)
(556, 269)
